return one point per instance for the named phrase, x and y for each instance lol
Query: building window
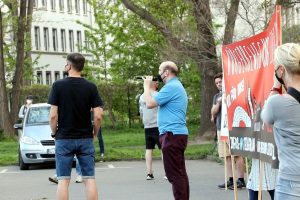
(61, 5)
(65, 75)
(71, 40)
(37, 38)
(35, 3)
(77, 6)
(84, 6)
(39, 77)
(44, 4)
(46, 39)
(54, 37)
(79, 41)
(53, 5)
(63, 40)
(69, 4)
(48, 78)
(56, 75)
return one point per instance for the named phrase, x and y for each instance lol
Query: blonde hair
(288, 55)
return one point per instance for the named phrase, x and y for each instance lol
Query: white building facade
(56, 33)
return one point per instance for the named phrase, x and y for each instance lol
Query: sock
(230, 179)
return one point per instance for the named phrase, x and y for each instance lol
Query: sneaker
(240, 184)
(102, 157)
(53, 179)
(165, 177)
(150, 177)
(78, 179)
(229, 184)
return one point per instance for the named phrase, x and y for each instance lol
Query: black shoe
(240, 184)
(53, 180)
(229, 184)
(150, 177)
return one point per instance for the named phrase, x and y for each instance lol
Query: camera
(141, 77)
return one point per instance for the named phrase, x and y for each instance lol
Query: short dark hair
(218, 75)
(77, 60)
(29, 97)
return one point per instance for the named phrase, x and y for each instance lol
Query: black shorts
(152, 138)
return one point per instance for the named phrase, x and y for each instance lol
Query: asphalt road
(118, 181)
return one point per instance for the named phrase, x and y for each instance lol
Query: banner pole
(260, 179)
(233, 175)
(225, 164)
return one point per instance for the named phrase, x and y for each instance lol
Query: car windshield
(38, 115)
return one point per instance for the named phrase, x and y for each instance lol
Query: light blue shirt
(172, 100)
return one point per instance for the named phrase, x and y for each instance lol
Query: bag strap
(294, 93)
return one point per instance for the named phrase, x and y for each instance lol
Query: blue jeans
(287, 190)
(84, 150)
(78, 169)
(253, 195)
(101, 142)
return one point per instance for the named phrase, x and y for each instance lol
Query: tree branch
(177, 43)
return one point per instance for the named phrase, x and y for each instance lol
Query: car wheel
(23, 166)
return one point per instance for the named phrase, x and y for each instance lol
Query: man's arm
(216, 107)
(150, 101)
(53, 119)
(98, 112)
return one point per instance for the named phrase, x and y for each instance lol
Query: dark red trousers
(173, 147)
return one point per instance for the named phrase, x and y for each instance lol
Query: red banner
(248, 76)
(248, 71)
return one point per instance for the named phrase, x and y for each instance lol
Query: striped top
(269, 176)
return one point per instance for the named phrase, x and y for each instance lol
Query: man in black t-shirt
(71, 100)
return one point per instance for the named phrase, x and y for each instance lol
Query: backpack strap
(294, 93)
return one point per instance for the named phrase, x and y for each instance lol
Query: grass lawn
(120, 144)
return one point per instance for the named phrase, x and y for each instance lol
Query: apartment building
(56, 33)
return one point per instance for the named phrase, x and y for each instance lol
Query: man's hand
(147, 82)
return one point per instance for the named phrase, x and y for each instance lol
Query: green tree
(20, 22)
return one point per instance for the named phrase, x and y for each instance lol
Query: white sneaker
(78, 179)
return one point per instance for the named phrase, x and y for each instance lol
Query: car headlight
(29, 140)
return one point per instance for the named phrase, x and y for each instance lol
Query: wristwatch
(53, 135)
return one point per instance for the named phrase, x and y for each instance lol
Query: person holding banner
(224, 152)
(283, 113)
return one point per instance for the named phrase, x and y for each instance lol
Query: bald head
(169, 65)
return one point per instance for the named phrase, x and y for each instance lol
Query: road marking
(110, 166)
(3, 171)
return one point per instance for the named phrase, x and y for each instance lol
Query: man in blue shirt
(172, 102)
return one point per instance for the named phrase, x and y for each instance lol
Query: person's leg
(148, 157)
(86, 158)
(271, 193)
(173, 148)
(240, 166)
(101, 142)
(62, 192)
(91, 189)
(64, 159)
(253, 195)
(78, 169)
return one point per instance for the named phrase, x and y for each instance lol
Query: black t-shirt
(74, 97)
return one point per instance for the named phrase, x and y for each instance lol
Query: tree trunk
(128, 105)
(28, 60)
(5, 120)
(230, 24)
(19, 61)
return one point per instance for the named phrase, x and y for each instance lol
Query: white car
(35, 142)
